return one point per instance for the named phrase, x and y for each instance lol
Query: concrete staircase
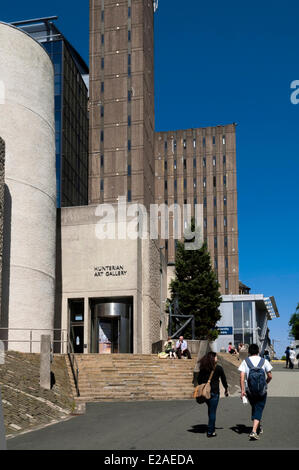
(128, 377)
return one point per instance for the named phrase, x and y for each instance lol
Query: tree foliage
(197, 289)
(294, 324)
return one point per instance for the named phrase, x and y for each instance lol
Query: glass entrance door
(108, 329)
(76, 332)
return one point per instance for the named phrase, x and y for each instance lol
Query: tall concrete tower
(121, 101)
(27, 127)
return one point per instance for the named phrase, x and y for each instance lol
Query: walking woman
(203, 369)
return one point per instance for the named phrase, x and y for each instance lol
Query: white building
(245, 320)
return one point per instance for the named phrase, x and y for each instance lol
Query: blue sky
(217, 63)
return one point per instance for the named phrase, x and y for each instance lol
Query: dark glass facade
(71, 113)
(71, 121)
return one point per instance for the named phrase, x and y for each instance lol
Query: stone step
(120, 393)
(124, 399)
(94, 383)
(101, 398)
(133, 378)
(150, 389)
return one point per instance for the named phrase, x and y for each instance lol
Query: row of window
(103, 37)
(225, 246)
(174, 142)
(204, 162)
(195, 182)
(225, 263)
(103, 13)
(129, 64)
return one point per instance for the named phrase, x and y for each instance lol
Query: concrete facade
(128, 158)
(27, 126)
(130, 269)
(121, 145)
(198, 166)
(2, 176)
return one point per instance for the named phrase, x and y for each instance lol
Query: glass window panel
(238, 338)
(248, 338)
(247, 314)
(238, 323)
(56, 47)
(57, 103)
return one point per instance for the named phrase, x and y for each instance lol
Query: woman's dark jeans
(212, 408)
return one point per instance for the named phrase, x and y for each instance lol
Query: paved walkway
(176, 425)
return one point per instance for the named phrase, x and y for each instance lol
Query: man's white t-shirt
(255, 362)
(292, 355)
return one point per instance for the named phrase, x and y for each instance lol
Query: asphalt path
(175, 425)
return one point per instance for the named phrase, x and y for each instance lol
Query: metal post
(30, 341)
(45, 362)
(2, 427)
(193, 328)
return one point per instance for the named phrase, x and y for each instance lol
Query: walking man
(255, 375)
(287, 353)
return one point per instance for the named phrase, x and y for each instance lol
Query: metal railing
(73, 361)
(65, 344)
(32, 341)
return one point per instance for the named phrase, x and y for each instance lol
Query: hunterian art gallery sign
(110, 270)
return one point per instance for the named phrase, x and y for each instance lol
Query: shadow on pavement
(200, 429)
(241, 429)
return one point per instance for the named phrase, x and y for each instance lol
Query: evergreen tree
(197, 289)
(294, 324)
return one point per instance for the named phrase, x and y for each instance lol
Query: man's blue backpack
(256, 379)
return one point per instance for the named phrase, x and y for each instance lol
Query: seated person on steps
(182, 348)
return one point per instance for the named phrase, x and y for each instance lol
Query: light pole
(273, 344)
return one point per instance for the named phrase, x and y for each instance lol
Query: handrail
(61, 341)
(68, 341)
(73, 361)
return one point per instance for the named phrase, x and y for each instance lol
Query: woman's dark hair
(207, 362)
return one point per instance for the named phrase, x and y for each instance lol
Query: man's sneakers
(213, 434)
(254, 436)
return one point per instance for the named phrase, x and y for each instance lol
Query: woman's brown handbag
(202, 392)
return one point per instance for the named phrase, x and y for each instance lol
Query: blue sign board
(225, 330)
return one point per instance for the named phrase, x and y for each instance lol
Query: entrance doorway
(108, 335)
(112, 325)
(76, 312)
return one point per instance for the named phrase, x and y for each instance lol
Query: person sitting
(169, 348)
(182, 348)
(232, 350)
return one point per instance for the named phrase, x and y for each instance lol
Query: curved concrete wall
(27, 127)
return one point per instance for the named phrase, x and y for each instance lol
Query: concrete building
(110, 292)
(245, 320)
(195, 166)
(27, 127)
(2, 176)
(121, 101)
(71, 110)
(198, 166)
